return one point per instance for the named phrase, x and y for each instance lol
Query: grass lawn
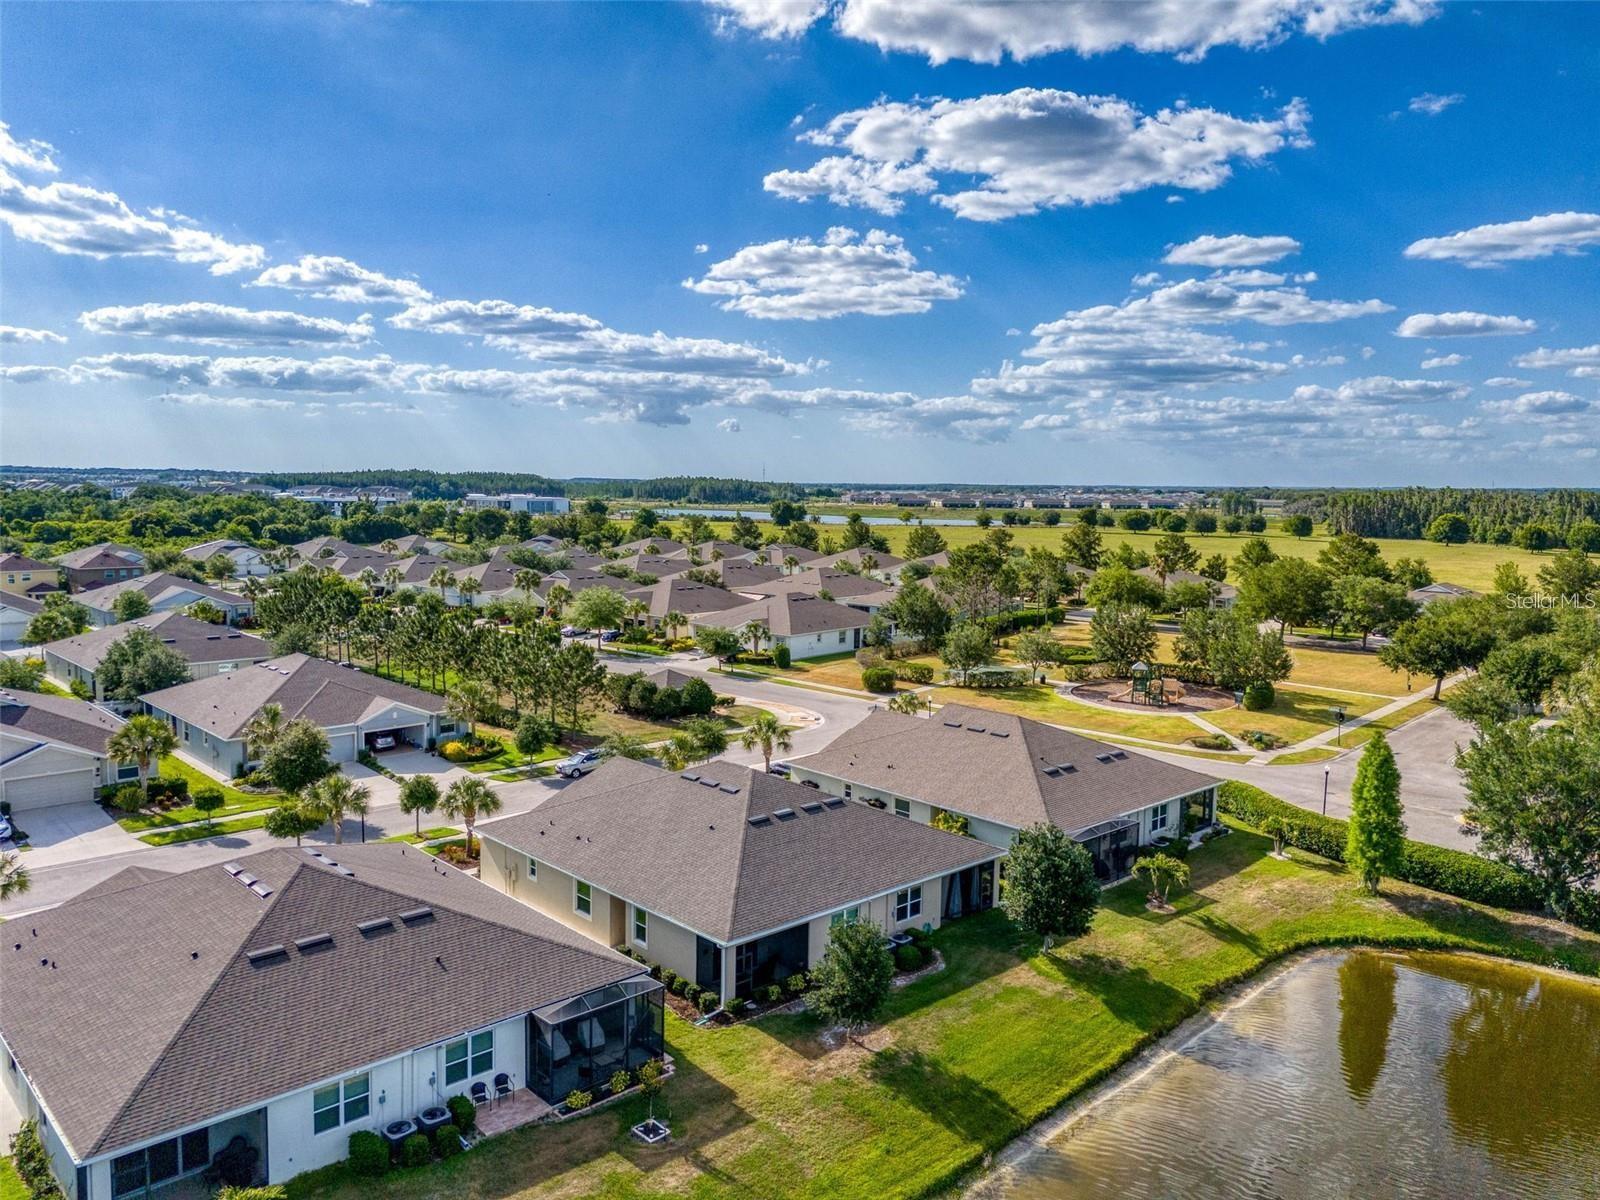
(1471, 565)
(509, 757)
(967, 1058)
(435, 834)
(193, 833)
(602, 725)
(1314, 755)
(11, 1187)
(1294, 715)
(832, 670)
(1043, 704)
(235, 802)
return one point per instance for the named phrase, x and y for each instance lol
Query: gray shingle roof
(680, 595)
(47, 718)
(103, 554)
(841, 585)
(686, 849)
(158, 586)
(993, 765)
(790, 614)
(313, 688)
(196, 641)
(134, 1009)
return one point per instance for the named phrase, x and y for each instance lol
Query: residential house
(208, 649)
(727, 875)
(882, 566)
(807, 625)
(24, 576)
(355, 709)
(1006, 773)
(246, 559)
(683, 596)
(345, 558)
(415, 543)
(1433, 592)
(518, 502)
(778, 553)
(261, 1011)
(657, 565)
(715, 551)
(15, 613)
(652, 545)
(737, 574)
(53, 751)
(100, 564)
(165, 593)
(1223, 595)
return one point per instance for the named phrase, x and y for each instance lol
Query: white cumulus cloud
(224, 325)
(1512, 241)
(808, 280)
(328, 277)
(1431, 104)
(1439, 361)
(1234, 250)
(1461, 324)
(18, 335)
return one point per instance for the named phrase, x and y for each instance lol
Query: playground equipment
(1149, 686)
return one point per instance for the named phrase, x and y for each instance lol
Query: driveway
(67, 832)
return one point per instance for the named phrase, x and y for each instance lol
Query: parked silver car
(579, 764)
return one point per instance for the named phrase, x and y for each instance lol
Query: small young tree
(207, 800)
(335, 797)
(967, 647)
(1375, 842)
(130, 606)
(419, 794)
(533, 734)
(599, 609)
(1050, 886)
(61, 617)
(297, 758)
(721, 644)
(1036, 647)
(1122, 635)
(1162, 872)
(291, 819)
(851, 984)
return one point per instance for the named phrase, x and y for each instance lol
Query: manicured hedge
(1000, 624)
(1454, 872)
(878, 679)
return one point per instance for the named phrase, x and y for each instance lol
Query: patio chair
(502, 1086)
(479, 1093)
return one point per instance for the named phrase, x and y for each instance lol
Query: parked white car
(5, 828)
(579, 764)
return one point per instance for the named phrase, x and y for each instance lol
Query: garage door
(342, 748)
(45, 791)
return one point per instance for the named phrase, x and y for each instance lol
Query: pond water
(1356, 1074)
(758, 512)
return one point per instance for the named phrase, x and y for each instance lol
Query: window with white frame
(582, 897)
(902, 808)
(469, 1056)
(908, 903)
(533, 870)
(641, 926)
(340, 1103)
(1158, 818)
(845, 916)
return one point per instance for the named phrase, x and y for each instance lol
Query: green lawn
(968, 1057)
(1294, 715)
(11, 1186)
(235, 802)
(193, 833)
(435, 834)
(509, 757)
(1043, 704)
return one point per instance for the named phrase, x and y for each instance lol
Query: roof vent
(412, 915)
(341, 870)
(232, 868)
(375, 925)
(710, 783)
(730, 789)
(999, 733)
(265, 954)
(1068, 769)
(975, 728)
(315, 941)
(833, 802)
(261, 889)
(1052, 771)
(1102, 758)
(1119, 754)
(784, 814)
(690, 776)
(759, 820)
(811, 806)
(952, 724)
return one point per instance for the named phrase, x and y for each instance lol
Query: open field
(967, 1058)
(1471, 565)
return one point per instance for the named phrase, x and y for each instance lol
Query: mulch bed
(1181, 697)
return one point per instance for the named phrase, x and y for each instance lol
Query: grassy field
(967, 1058)
(1294, 715)
(235, 802)
(1043, 704)
(1471, 565)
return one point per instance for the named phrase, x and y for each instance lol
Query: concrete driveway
(67, 832)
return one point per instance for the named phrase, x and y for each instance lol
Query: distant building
(518, 502)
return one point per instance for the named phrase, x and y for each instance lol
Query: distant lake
(759, 512)
(1360, 1074)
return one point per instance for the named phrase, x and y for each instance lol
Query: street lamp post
(1326, 771)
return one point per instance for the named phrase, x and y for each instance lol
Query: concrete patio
(520, 1108)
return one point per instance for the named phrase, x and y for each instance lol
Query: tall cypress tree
(1376, 839)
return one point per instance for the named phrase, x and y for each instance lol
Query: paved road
(1424, 750)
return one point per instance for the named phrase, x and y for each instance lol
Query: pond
(1354, 1074)
(758, 512)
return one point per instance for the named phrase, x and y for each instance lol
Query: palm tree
(637, 611)
(791, 564)
(335, 797)
(263, 730)
(674, 621)
(526, 580)
(767, 733)
(441, 579)
(389, 546)
(556, 599)
(393, 577)
(470, 702)
(468, 588)
(869, 563)
(755, 633)
(467, 800)
(143, 739)
(13, 876)
(368, 579)
(696, 741)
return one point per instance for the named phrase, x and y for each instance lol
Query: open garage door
(46, 791)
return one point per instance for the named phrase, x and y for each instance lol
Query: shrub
(878, 679)
(458, 751)
(1259, 696)
(780, 656)
(463, 1112)
(128, 797)
(1211, 741)
(577, 1100)
(796, 983)
(32, 1162)
(772, 994)
(447, 1140)
(167, 791)
(678, 985)
(620, 1080)
(1454, 872)
(869, 656)
(914, 672)
(707, 1003)
(736, 1006)
(270, 1191)
(416, 1151)
(369, 1154)
(907, 957)
(691, 993)
(668, 978)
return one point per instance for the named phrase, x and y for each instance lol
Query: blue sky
(1349, 242)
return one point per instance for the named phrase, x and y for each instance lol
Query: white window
(908, 904)
(469, 1056)
(845, 916)
(902, 808)
(582, 900)
(641, 926)
(533, 870)
(340, 1103)
(841, 637)
(847, 791)
(1158, 818)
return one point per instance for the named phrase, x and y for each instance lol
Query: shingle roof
(135, 1010)
(998, 767)
(680, 595)
(790, 614)
(314, 688)
(775, 553)
(886, 562)
(706, 550)
(738, 574)
(103, 554)
(841, 585)
(21, 562)
(642, 546)
(157, 587)
(706, 866)
(62, 719)
(197, 641)
(22, 604)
